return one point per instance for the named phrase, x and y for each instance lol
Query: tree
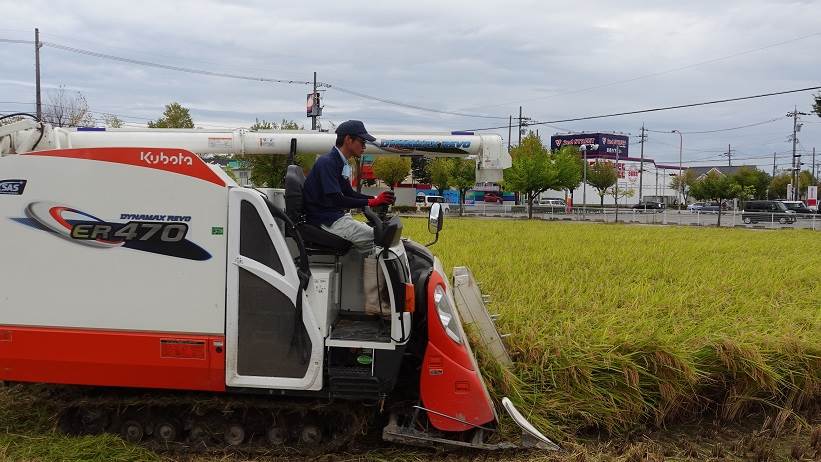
(602, 175)
(778, 185)
(816, 105)
(532, 170)
(439, 170)
(746, 193)
(684, 183)
(463, 176)
(716, 187)
(622, 193)
(569, 166)
(754, 182)
(112, 121)
(67, 110)
(262, 125)
(419, 169)
(174, 116)
(269, 171)
(805, 180)
(391, 169)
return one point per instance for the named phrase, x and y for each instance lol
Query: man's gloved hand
(384, 198)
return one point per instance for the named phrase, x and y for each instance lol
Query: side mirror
(435, 220)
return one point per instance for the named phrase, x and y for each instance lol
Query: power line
(190, 70)
(122, 117)
(664, 108)
(655, 74)
(721, 129)
(409, 106)
(158, 65)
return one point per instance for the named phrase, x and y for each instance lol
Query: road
(628, 215)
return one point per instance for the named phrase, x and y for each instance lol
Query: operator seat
(317, 240)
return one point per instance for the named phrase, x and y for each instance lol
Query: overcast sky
(557, 59)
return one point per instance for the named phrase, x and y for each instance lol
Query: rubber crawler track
(182, 423)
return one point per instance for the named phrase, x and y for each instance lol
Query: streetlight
(616, 192)
(680, 179)
(584, 148)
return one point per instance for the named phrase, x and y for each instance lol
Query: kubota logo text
(164, 159)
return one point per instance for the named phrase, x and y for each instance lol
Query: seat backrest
(294, 181)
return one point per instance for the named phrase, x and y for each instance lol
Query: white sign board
(812, 197)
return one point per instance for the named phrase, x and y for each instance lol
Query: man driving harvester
(327, 194)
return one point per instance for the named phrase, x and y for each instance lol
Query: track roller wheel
(200, 434)
(132, 431)
(166, 431)
(234, 434)
(79, 421)
(310, 435)
(276, 435)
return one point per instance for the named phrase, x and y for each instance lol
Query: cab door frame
(286, 283)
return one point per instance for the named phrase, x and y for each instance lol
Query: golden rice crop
(618, 326)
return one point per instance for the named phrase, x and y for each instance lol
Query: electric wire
(655, 74)
(123, 117)
(720, 129)
(190, 70)
(658, 109)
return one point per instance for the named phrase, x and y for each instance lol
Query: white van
(424, 202)
(552, 203)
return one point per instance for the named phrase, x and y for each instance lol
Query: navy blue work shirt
(327, 194)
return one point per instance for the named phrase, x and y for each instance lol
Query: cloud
(472, 56)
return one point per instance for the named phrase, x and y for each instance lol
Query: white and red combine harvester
(191, 310)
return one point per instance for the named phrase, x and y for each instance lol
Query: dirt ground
(757, 438)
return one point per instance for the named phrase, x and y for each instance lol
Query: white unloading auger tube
(491, 155)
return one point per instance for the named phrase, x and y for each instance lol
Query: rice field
(614, 329)
(620, 327)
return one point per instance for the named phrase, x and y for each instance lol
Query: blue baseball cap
(354, 128)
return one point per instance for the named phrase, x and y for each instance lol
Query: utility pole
(37, 46)
(641, 164)
(729, 156)
(796, 158)
(520, 124)
(813, 164)
(680, 192)
(767, 196)
(657, 181)
(773, 165)
(509, 131)
(523, 121)
(313, 106)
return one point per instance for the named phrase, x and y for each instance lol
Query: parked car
(797, 206)
(695, 207)
(755, 211)
(553, 205)
(649, 206)
(711, 207)
(493, 198)
(552, 201)
(424, 202)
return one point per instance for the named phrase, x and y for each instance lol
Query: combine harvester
(182, 309)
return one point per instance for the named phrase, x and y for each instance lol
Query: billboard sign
(608, 143)
(312, 107)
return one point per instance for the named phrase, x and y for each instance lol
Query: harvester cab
(247, 299)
